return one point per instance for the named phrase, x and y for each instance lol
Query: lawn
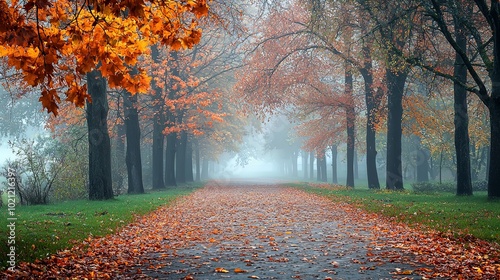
(42, 230)
(461, 216)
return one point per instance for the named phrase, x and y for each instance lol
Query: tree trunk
(119, 167)
(204, 169)
(100, 183)
(189, 161)
(441, 167)
(158, 127)
(494, 108)
(321, 164)
(133, 157)
(318, 168)
(461, 119)
(334, 164)
(350, 125)
(422, 162)
(170, 160)
(180, 159)
(395, 89)
(488, 156)
(371, 107)
(157, 156)
(295, 156)
(494, 166)
(324, 170)
(311, 166)
(304, 164)
(356, 166)
(197, 160)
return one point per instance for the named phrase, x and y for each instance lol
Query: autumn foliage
(53, 44)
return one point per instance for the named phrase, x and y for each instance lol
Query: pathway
(239, 230)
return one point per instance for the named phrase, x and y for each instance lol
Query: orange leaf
(239, 270)
(221, 270)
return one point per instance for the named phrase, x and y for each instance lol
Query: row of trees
(388, 64)
(121, 64)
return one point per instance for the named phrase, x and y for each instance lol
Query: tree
(133, 156)
(158, 123)
(461, 120)
(100, 183)
(489, 55)
(55, 44)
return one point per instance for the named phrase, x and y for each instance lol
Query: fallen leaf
(239, 270)
(221, 270)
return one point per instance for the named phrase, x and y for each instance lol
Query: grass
(42, 230)
(445, 212)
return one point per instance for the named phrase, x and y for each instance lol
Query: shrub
(73, 182)
(35, 171)
(434, 187)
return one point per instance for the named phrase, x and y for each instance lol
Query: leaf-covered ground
(237, 231)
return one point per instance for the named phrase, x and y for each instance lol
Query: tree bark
(494, 167)
(197, 160)
(488, 156)
(158, 127)
(318, 168)
(422, 162)
(100, 183)
(371, 107)
(395, 89)
(461, 119)
(304, 164)
(118, 170)
(356, 166)
(350, 125)
(180, 159)
(204, 169)
(295, 156)
(133, 157)
(311, 166)
(157, 149)
(334, 164)
(324, 176)
(189, 161)
(170, 160)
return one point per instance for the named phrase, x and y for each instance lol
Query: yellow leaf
(32, 52)
(3, 51)
(142, 45)
(221, 270)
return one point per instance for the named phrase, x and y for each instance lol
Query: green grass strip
(42, 230)
(445, 212)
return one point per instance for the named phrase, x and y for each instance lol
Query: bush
(434, 187)
(35, 171)
(70, 143)
(73, 182)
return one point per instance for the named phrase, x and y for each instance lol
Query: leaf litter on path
(267, 232)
